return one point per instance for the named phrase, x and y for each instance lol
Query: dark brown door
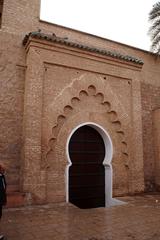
(87, 175)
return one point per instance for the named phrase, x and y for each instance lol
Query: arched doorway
(87, 173)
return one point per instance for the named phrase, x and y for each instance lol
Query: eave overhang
(65, 41)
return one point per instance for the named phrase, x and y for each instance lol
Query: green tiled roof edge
(65, 41)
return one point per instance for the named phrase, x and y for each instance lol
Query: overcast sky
(124, 21)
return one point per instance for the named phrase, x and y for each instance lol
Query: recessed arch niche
(106, 164)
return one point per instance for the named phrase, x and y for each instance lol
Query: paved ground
(138, 220)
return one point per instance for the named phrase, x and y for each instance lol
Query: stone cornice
(67, 42)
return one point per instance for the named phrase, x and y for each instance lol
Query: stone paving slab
(137, 220)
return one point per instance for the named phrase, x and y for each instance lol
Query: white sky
(124, 21)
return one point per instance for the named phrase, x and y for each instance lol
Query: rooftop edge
(67, 42)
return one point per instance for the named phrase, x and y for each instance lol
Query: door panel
(87, 175)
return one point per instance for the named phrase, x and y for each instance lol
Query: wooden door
(87, 174)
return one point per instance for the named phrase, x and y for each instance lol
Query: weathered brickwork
(150, 102)
(52, 84)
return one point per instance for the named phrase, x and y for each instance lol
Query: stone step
(12, 188)
(15, 199)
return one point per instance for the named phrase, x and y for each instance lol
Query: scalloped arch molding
(92, 88)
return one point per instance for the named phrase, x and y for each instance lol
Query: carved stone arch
(89, 91)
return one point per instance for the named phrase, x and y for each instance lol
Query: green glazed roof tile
(65, 41)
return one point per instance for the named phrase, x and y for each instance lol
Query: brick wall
(20, 16)
(150, 102)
